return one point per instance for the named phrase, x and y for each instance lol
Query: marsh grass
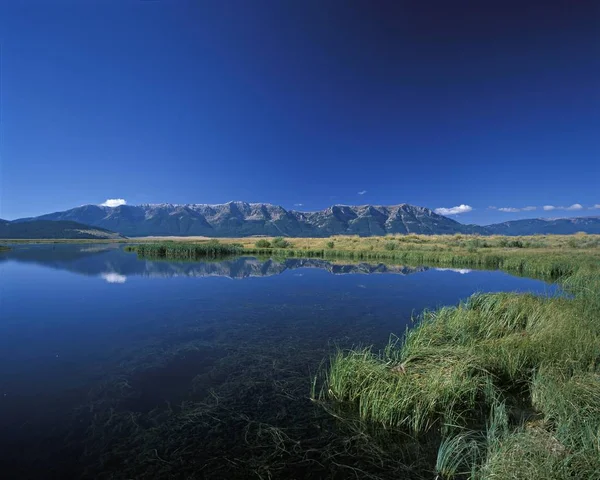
(184, 251)
(507, 384)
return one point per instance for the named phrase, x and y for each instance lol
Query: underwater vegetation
(238, 407)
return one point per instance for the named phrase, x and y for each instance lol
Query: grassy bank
(503, 386)
(4, 248)
(549, 257)
(391, 243)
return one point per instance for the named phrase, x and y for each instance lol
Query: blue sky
(482, 104)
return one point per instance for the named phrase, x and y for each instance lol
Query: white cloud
(112, 277)
(114, 202)
(595, 207)
(509, 209)
(453, 210)
(575, 206)
(492, 208)
(298, 204)
(529, 209)
(362, 192)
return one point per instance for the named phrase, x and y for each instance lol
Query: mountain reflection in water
(114, 265)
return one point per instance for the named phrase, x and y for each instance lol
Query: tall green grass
(184, 251)
(507, 385)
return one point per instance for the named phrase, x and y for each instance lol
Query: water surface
(112, 365)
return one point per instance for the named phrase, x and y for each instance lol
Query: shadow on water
(207, 380)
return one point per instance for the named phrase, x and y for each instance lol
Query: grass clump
(280, 242)
(390, 246)
(503, 385)
(262, 243)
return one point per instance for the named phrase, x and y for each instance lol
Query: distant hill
(556, 226)
(240, 219)
(37, 229)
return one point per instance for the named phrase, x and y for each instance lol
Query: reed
(184, 251)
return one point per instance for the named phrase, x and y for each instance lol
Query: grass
(580, 241)
(503, 385)
(184, 251)
(4, 248)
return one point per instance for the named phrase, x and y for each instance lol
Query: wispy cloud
(574, 207)
(114, 202)
(509, 209)
(362, 192)
(547, 208)
(453, 210)
(298, 204)
(515, 209)
(595, 207)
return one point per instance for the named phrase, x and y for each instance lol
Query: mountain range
(239, 219)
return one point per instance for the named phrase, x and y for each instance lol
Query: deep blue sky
(440, 103)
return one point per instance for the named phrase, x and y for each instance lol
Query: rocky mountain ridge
(241, 219)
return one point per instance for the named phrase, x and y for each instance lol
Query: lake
(116, 367)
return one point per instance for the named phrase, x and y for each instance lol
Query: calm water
(115, 367)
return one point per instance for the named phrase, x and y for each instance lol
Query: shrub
(330, 244)
(280, 242)
(262, 243)
(515, 244)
